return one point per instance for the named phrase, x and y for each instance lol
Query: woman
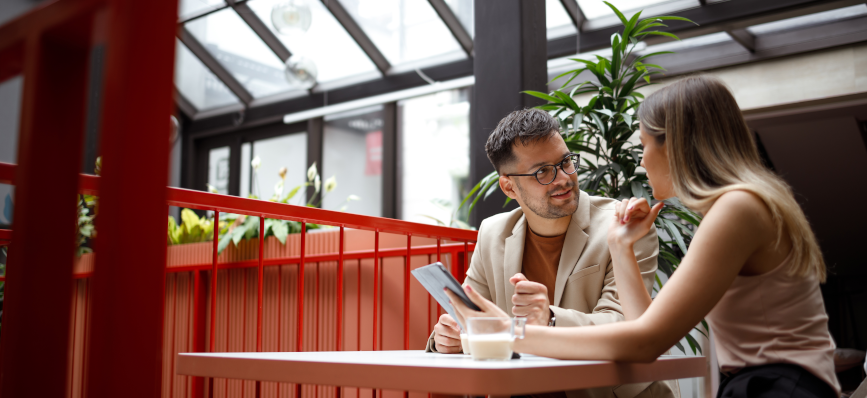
(753, 269)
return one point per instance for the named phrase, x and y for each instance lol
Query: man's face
(555, 200)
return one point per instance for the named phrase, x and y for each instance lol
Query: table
(432, 372)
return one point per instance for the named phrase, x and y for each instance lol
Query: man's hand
(530, 300)
(447, 335)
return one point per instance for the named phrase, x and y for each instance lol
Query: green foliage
(192, 229)
(601, 132)
(87, 205)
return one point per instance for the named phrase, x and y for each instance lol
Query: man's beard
(543, 208)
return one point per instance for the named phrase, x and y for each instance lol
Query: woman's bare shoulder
(745, 210)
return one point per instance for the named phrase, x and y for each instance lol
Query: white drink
(465, 343)
(491, 347)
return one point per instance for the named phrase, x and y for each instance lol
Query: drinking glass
(491, 339)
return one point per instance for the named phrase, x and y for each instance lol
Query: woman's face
(655, 161)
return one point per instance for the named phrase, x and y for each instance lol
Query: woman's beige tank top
(774, 318)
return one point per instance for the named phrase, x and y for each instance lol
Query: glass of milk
(491, 339)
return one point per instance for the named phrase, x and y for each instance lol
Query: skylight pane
(557, 20)
(326, 43)
(231, 41)
(593, 9)
(692, 42)
(190, 7)
(810, 20)
(465, 11)
(408, 32)
(197, 84)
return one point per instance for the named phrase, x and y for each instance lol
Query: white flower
(351, 198)
(256, 163)
(212, 189)
(316, 183)
(282, 173)
(330, 184)
(312, 172)
(278, 189)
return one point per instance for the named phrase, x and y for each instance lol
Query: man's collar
(581, 217)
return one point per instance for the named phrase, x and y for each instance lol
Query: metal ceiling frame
(732, 16)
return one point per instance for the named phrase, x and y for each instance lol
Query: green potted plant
(603, 129)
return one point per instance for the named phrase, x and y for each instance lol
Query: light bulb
(291, 16)
(301, 71)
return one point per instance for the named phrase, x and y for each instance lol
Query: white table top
(432, 372)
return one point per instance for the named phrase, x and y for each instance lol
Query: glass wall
(218, 170)
(434, 155)
(289, 151)
(352, 153)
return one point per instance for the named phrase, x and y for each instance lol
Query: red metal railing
(194, 308)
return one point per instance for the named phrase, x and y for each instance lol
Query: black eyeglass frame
(556, 166)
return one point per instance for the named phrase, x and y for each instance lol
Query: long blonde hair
(711, 151)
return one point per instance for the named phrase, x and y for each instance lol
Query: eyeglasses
(548, 173)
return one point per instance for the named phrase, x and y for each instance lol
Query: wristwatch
(553, 319)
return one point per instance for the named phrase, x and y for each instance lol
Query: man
(548, 261)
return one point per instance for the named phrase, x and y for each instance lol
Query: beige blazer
(585, 292)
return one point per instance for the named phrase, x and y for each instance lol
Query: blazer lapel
(512, 258)
(573, 246)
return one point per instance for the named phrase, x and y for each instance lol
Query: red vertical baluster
(173, 319)
(375, 284)
(339, 320)
(439, 249)
(259, 295)
(358, 302)
(213, 333)
(406, 293)
(428, 300)
(84, 334)
(316, 321)
(300, 340)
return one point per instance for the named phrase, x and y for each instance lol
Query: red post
(38, 299)
(406, 293)
(439, 243)
(300, 341)
(259, 295)
(375, 282)
(213, 280)
(128, 290)
(339, 320)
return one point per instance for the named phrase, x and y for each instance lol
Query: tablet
(434, 277)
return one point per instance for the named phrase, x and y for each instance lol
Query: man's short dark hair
(526, 126)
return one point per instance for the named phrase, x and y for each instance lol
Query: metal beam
(358, 35)
(185, 105)
(274, 111)
(766, 47)
(262, 30)
(575, 13)
(213, 65)
(713, 18)
(201, 13)
(455, 26)
(744, 38)
(578, 19)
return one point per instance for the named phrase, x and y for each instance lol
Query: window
(289, 151)
(352, 152)
(218, 169)
(434, 150)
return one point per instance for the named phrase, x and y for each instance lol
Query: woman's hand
(489, 309)
(633, 219)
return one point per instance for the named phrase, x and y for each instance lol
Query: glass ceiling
(809, 20)
(557, 20)
(593, 9)
(406, 31)
(241, 52)
(409, 34)
(198, 85)
(326, 43)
